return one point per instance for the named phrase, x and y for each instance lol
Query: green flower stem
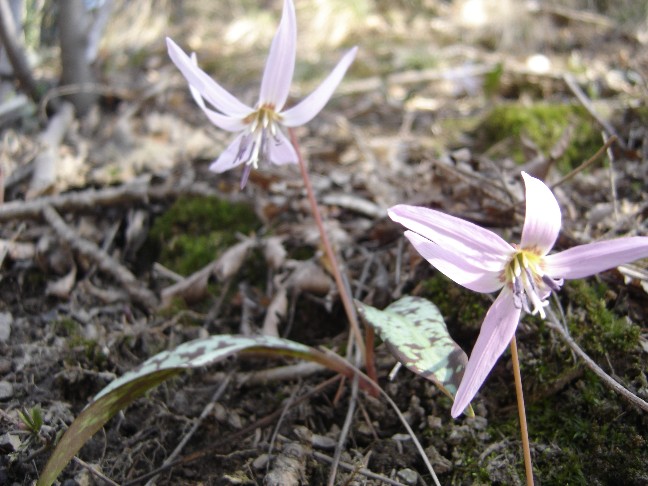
(524, 431)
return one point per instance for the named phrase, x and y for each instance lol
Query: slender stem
(524, 431)
(347, 300)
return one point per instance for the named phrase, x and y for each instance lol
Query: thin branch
(197, 423)
(230, 439)
(587, 104)
(344, 433)
(303, 369)
(90, 199)
(103, 260)
(393, 405)
(91, 469)
(350, 467)
(15, 52)
(554, 324)
(608, 143)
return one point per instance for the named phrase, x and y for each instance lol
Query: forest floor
(441, 109)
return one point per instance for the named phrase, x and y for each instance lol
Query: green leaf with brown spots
(133, 384)
(415, 332)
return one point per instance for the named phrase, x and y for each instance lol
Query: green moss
(79, 348)
(66, 327)
(195, 230)
(598, 329)
(590, 442)
(544, 124)
(582, 433)
(457, 305)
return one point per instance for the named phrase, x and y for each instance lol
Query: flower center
(524, 274)
(262, 128)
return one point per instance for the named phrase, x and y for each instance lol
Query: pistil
(528, 282)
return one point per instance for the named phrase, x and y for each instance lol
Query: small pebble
(9, 443)
(5, 366)
(6, 390)
(6, 320)
(409, 476)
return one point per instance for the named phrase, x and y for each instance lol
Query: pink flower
(481, 261)
(260, 135)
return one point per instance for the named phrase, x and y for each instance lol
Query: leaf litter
(403, 128)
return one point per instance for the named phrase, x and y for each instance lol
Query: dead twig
(46, 162)
(400, 415)
(350, 467)
(262, 422)
(290, 464)
(80, 88)
(197, 423)
(608, 143)
(94, 472)
(90, 199)
(587, 104)
(344, 433)
(15, 52)
(554, 324)
(103, 260)
(613, 187)
(300, 370)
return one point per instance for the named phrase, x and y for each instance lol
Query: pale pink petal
(585, 260)
(310, 106)
(480, 246)
(465, 271)
(209, 89)
(281, 150)
(280, 65)
(224, 122)
(496, 333)
(542, 220)
(235, 154)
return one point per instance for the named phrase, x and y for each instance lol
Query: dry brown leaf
(274, 252)
(276, 312)
(136, 231)
(52, 256)
(309, 277)
(17, 250)
(46, 163)
(191, 289)
(230, 262)
(62, 287)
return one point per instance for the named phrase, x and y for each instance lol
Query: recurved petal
(280, 65)
(585, 260)
(310, 106)
(542, 220)
(224, 122)
(483, 248)
(235, 154)
(281, 150)
(213, 92)
(465, 271)
(496, 333)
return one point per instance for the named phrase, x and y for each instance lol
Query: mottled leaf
(133, 384)
(415, 332)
